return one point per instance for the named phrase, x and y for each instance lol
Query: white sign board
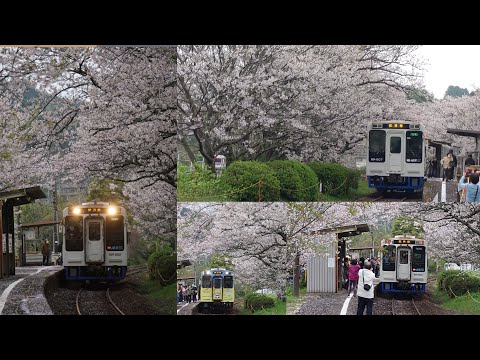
(331, 262)
(29, 234)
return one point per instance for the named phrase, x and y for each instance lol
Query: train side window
(395, 145)
(206, 281)
(414, 147)
(388, 260)
(228, 282)
(217, 283)
(418, 259)
(376, 146)
(73, 233)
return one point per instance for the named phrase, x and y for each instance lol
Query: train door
(395, 146)
(403, 264)
(94, 242)
(217, 288)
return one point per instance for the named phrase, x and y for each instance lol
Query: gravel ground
(434, 186)
(127, 295)
(27, 297)
(331, 304)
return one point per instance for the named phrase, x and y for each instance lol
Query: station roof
(183, 263)
(344, 231)
(40, 224)
(471, 133)
(22, 196)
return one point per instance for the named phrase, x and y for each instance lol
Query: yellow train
(217, 289)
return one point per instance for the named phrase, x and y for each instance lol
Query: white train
(396, 156)
(403, 267)
(95, 242)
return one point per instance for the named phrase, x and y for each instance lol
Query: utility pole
(55, 219)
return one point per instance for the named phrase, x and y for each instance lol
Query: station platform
(437, 190)
(24, 292)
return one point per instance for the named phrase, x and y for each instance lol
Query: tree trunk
(189, 151)
(296, 275)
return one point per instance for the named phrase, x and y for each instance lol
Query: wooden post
(260, 190)
(1, 239)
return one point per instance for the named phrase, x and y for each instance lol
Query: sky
(450, 65)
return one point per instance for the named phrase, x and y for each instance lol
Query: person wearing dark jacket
(469, 161)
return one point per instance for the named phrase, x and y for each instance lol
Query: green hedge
(444, 277)
(243, 174)
(197, 183)
(162, 265)
(256, 302)
(298, 182)
(336, 179)
(459, 281)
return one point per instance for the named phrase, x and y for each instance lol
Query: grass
(165, 296)
(292, 300)
(361, 191)
(462, 304)
(280, 308)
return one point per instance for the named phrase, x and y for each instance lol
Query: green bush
(298, 182)
(463, 282)
(162, 265)
(336, 179)
(443, 276)
(256, 302)
(243, 174)
(197, 182)
(354, 177)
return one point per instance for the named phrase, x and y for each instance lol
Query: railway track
(404, 307)
(136, 270)
(383, 198)
(111, 303)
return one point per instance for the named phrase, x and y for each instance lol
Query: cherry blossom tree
(264, 102)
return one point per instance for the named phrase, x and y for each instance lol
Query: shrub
(243, 174)
(336, 179)
(442, 277)
(256, 302)
(197, 182)
(463, 282)
(162, 265)
(298, 182)
(354, 176)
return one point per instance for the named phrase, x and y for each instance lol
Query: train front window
(73, 233)
(228, 282)
(217, 283)
(395, 145)
(114, 233)
(206, 281)
(376, 146)
(94, 231)
(414, 148)
(418, 259)
(388, 260)
(403, 257)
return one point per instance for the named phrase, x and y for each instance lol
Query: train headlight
(112, 210)
(208, 272)
(226, 272)
(76, 211)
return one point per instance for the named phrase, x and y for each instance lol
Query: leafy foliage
(242, 178)
(256, 302)
(162, 265)
(298, 182)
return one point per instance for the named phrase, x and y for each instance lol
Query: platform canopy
(22, 196)
(471, 133)
(344, 231)
(182, 263)
(40, 224)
